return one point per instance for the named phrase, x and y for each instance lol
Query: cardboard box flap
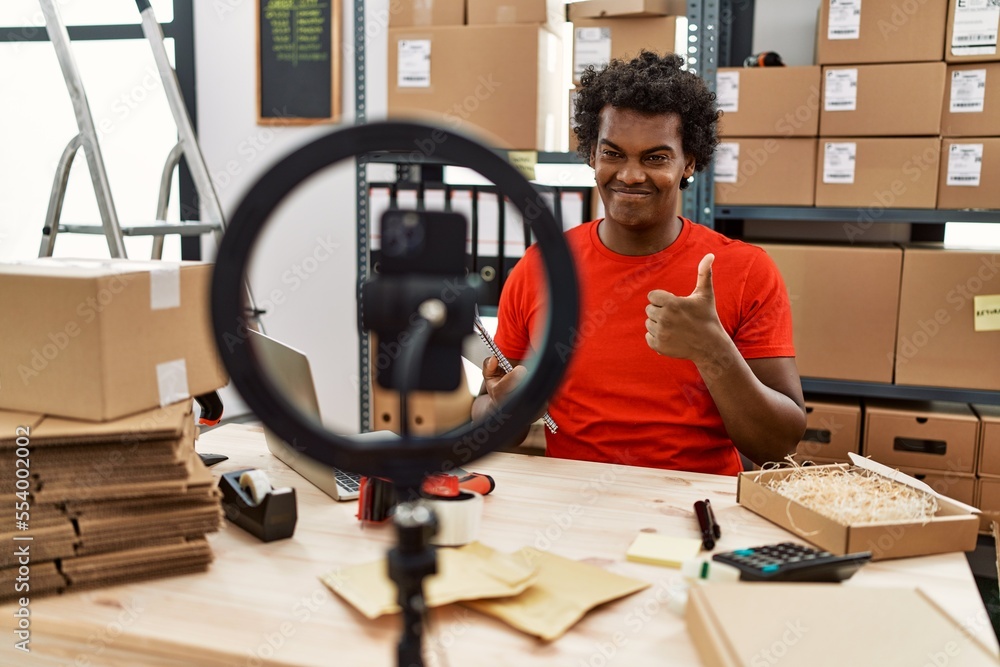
(69, 267)
(903, 478)
(167, 423)
(11, 422)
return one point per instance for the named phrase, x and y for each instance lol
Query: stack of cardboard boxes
(100, 361)
(489, 68)
(606, 29)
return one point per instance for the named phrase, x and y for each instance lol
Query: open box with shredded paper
(953, 527)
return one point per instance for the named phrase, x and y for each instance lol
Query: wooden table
(263, 604)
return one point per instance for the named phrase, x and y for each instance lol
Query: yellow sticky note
(987, 309)
(662, 549)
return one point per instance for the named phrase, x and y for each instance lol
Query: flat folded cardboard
(988, 500)
(770, 101)
(945, 296)
(833, 430)
(502, 82)
(953, 528)
(854, 100)
(533, 12)
(970, 169)
(100, 339)
(884, 32)
(596, 9)
(765, 172)
(933, 435)
(989, 439)
(596, 41)
(824, 625)
(406, 13)
(971, 34)
(876, 174)
(835, 293)
(971, 101)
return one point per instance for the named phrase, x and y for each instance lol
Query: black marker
(710, 530)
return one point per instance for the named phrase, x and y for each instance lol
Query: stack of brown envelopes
(103, 503)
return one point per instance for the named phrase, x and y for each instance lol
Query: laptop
(290, 372)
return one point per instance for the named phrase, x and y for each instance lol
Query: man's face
(639, 163)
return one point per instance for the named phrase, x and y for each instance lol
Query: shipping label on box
(845, 19)
(727, 91)
(965, 165)
(974, 28)
(840, 92)
(840, 159)
(591, 48)
(968, 91)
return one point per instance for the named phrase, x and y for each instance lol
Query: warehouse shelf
(894, 391)
(856, 215)
(417, 157)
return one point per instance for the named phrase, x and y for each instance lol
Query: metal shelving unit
(712, 36)
(853, 214)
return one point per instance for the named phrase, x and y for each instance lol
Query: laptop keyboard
(347, 480)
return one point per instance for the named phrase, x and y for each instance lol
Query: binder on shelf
(487, 239)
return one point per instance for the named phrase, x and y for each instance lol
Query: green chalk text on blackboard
(297, 75)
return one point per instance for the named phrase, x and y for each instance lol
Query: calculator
(788, 561)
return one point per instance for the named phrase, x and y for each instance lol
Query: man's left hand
(685, 327)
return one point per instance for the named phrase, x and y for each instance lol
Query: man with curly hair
(683, 354)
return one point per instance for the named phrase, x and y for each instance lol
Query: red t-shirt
(621, 402)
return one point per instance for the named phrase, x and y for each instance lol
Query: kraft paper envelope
(564, 591)
(470, 572)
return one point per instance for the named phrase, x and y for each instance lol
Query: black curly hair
(649, 83)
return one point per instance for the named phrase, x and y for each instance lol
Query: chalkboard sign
(298, 73)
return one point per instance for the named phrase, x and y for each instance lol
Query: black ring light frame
(405, 461)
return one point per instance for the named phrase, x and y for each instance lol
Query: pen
(710, 530)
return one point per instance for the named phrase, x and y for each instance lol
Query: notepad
(662, 549)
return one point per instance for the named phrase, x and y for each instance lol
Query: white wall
(787, 27)
(304, 266)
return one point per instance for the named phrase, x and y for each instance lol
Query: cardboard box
(833, 429)
(923, 435)
(971, 101)
(953, 528)
(971, 32)
(597, 41)
(937, 344)
(837, 292)
(855, 100)
(535, 12)
(954, 485)
(970, 168)
(597, 9)
(826, 625)
(988, 501)
(876, 174)
(100, 339)
(882, 31)
(503, 83)
(765, 172)
(769, 101)
(406, 13)
(989, 439)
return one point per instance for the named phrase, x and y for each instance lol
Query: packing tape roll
(458, 518)
(257, 484)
